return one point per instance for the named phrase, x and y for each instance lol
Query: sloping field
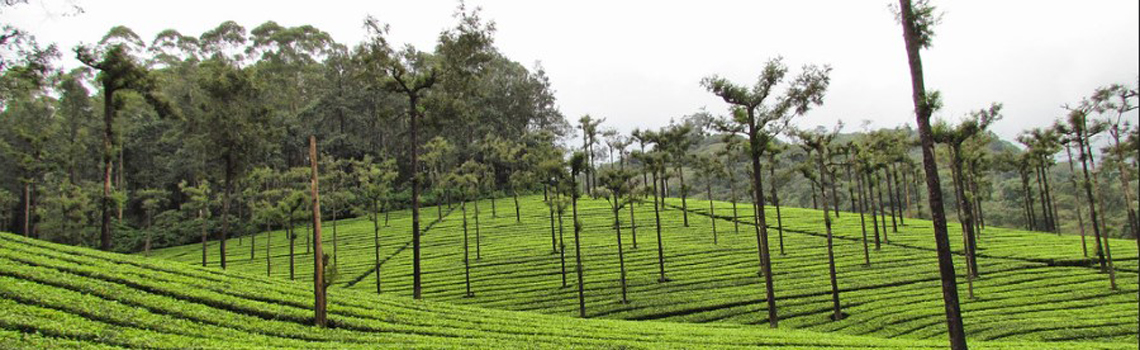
(1033, 286)
(55, 296)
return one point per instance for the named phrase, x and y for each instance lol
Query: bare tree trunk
(632, 221)
(28, 210)
(923, 110)
(862, 220)
(562, 248)
(779, 215)
(874, 211)
(891, 196)
(1076, 188)
(466, 253)
(417, 278)
(1099, 203)
(578, 256)
(108, 148)
(837, 313)
(735, 217)
(712, 212)
(226, 194)
(684, 194)
(553, 238)
(657, 215)
(621, 252)
(319, 283)
(202, 218)
(761, 220)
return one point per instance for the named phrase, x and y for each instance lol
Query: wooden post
(318, 255)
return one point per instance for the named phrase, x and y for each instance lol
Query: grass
(1029, 289)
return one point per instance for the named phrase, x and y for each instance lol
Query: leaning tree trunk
(923, 110)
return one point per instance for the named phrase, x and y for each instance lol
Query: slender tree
(118, 71)
(918, 23)
(616, 186)
(819, 142)
(577, 165)
(806, 90)
(319, 281)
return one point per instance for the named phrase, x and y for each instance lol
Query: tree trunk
(965, 216)
(735, 217)
(553, 238)
(319, 283)
(417, 289)
(466, 253)
(1047, 224)
(108, 148)
(874, 210)
(1030, 215)
(923, 110)
(119, 181)
(837, 312)
(1050, 201)
(712, 213)
(1087, 184)
(478, 249)
(1099, 203)
(779, 215)
(562, 248)
(268, 263)
(1077, 196)
(657, 216)
(518, 217)
(684, 194)
(897, 199)
(28, 211)
(834, 195)
(621, 252)
(814, 198)
(891, 197)
(862, 219)
(292, 232)
(578, 256)
(632, 221)
(761, 222)
(882, 210)
(376, 242)
(226, 194)
(202, 219)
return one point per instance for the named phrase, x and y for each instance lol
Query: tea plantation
(1033, 287)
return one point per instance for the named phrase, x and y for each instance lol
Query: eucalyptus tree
(465, 179)
(1118, 99)
(374, 182)
(616, 186)
(233, 128)
(733, 147)
(1078, 128)
(118, 71)
(819, 141)
(918, 23)
(151, 199)
(710, 169)
(850, 152)
(198, 202)
(655, 162)
(805, 91)
(773, 152)
(676, 141)
(1067, 141)
(577, 165)
(29, 131)
(7, 201)
(954, 137)
(438, 157)
(590, 131)
(337, 192)
(463, 51)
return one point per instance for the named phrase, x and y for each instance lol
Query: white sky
(639, 63)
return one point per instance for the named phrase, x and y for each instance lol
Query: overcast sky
(639, 63)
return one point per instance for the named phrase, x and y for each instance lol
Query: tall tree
(319, 257)
(151, 200)
(616, 186)
(805, 91)
(954, 137)
(118, 71)
(918, 23)
(577, 165)
(819, 142)
(374, 186)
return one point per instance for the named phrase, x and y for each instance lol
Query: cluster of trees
(95, 155)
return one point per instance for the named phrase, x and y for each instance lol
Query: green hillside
(1033, 286)
(56, 296)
